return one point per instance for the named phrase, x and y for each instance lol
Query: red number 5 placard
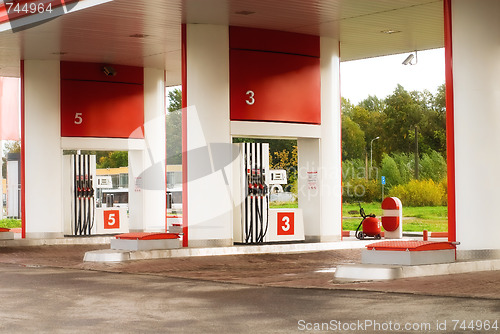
(111, 219)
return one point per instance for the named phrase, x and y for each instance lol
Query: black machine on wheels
(370, 226)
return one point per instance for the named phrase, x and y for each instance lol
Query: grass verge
(424, 212)
(431, 218)
(10, 223)
(409, 225)
(283, 205)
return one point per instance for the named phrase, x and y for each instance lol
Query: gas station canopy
(147, 33)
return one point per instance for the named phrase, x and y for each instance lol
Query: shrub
(10, 223)
(420, 193)
(391, 171)
(444, 186)
(433, 166)
(361, 190)
(406, 165)
(353, 169)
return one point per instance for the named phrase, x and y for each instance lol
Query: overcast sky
(379, 76)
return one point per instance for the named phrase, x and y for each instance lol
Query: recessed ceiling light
(244, 12)
(390, 31)
(139, 36)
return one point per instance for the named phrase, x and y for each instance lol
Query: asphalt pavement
(49, 289)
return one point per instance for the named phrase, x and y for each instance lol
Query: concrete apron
(468, 261)
(364, 272)
(118, 255)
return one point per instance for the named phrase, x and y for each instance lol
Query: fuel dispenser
(251, 221)
(83, 202)
(82, 217)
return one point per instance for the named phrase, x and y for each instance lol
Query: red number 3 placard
(286, 223)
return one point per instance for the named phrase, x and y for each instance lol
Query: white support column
(43, 157)
(309, 186)
(331, 139)
(320, 171)
(476, 69)
(208, 136)
(135, 190)
(154, 186)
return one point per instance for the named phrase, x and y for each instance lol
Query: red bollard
(426, 235)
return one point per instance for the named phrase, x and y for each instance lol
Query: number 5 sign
(111, 219)
(286, 223)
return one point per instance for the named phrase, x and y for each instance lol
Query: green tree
(174, 100)
(275, 145)
(353, 139)
(287, 160)
(372, 103)
(406, 165)
(437, 123)
(353, 169)
(394, 119)
(11, 146)
(433, 166)
(403, 113)
(173, 127)
(346, 106)
(174, 137)
(113, 160)
(432, 126)
(370, 122)
(439, 103)
(390, 170)
(283, 154)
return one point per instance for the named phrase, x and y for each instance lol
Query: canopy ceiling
(148, 32)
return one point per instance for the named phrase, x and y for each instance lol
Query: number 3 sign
(111, 219)
(286, 223)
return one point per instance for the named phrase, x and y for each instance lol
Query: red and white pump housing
(392, 218)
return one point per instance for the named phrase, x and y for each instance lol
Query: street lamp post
(371, 155)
